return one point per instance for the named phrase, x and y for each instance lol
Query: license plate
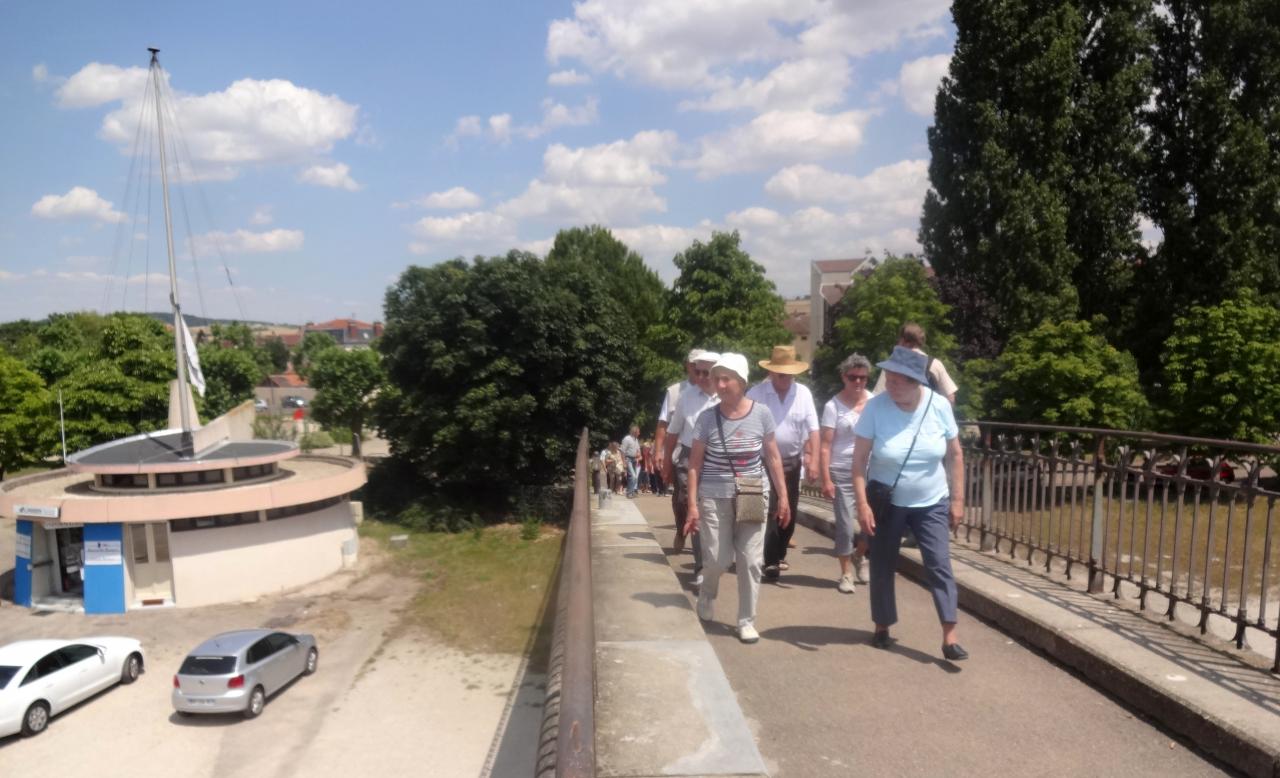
(199, 701)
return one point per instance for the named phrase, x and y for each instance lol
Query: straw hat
(783, 360)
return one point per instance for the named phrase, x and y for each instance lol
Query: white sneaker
(846, 584)
(697, 584)
(859, 563)
(706, 608)
(747, 633)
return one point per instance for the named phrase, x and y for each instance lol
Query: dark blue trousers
(931, 526)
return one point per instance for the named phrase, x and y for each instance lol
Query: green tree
(311, 345)
(867, 320)
(230, 376)
(637, 291)
(723, 300)
(1213, 180)
(1222, 372)
(995, 220)
(345, 382)
(494, 365)
(1062, 373)
(278, 353)
(28, 427)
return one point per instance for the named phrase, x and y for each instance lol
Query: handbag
(749, 503)
(880, 494)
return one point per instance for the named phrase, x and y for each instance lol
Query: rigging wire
(180, 137)
(122, 225)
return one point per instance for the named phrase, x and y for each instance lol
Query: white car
(41, 678)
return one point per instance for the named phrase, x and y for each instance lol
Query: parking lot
(384, 699)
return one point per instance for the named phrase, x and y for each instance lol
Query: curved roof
(162, 451)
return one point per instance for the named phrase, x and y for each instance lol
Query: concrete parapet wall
(663, 703)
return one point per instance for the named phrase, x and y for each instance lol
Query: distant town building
(349, 333)
(829, 279)
(797, 323)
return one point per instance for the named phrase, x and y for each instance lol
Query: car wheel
(313, 659)
(257, 701)
(35, 719)
(132, 669)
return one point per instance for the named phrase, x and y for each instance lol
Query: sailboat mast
(180, 346)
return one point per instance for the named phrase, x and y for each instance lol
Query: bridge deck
(823, 702)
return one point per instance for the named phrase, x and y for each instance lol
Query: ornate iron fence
(566, 747)
(1188, 519)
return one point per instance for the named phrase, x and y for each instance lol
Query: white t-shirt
(670, 399)
(692, 403)
(841, 418)
(891, 429)
(795, 416)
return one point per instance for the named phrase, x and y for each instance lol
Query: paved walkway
(821, 701)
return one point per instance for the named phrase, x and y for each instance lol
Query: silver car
(236, 672)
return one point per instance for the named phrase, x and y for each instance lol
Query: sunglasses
(856, 377)
(701, 373)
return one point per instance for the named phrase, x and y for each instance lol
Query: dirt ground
(385, 701)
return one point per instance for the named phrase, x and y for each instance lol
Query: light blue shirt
(924, 479)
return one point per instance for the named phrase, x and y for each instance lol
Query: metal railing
(567, 743)
(1188, 520)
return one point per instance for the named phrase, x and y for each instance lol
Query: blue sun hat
(911, 364)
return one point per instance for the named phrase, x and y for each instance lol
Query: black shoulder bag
(880, 494)
(749, 504)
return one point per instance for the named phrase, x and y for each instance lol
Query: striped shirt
(746, 446)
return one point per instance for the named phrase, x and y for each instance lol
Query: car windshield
(208, 665)
(7, 672)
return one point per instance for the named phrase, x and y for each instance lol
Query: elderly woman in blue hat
(908, 472)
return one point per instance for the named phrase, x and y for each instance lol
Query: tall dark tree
(1213, 181)
(1106, 157)
(722, 299)
(494, 366)
(996, 218)
(637, 291)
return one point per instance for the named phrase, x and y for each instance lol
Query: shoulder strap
(724, 443)
(913, 439)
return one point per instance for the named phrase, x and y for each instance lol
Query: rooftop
(163, 448)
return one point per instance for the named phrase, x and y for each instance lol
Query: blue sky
(336, 144)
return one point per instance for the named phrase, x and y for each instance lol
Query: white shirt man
(693, 400)
(669, 400)
(796, 418)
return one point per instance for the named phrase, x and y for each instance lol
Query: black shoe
(771, 572)
(881, 640)
(954, 652)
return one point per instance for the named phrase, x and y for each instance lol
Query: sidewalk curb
(1208, 731)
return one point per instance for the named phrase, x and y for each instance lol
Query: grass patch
(484, 589)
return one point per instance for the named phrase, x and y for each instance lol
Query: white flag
(193, 358)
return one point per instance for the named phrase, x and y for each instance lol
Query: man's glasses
(701, 373)
(851, 377)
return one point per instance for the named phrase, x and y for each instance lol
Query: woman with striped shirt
(734, 437)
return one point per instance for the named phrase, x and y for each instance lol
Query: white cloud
(500, 127)
(569, 204)
(568, 78)
(40, 73)
(465, 228)
(621, 163)
(897, 188)
(250, 122)
(78, 203)
(919, 79)
(248, 242)
(858, 28)
(795, 84)
(780, 137)
(450, 199)
(680, 44)
(5, 275)
(262, 215)
(335, 176)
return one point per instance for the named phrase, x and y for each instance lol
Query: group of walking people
(890, 460)
(630, 466)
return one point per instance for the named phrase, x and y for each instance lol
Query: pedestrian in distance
(908, 472)
(631, 459)
(733, 445)
(839, 416)
(693, 401)
(796, 422)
